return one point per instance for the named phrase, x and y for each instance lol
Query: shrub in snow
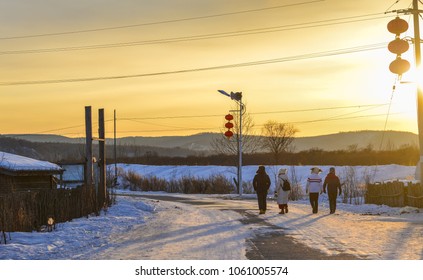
(131, 180)
(353, 188)
(214, 184)
(297, 191)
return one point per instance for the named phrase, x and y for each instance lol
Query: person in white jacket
(314, 187)
(282, 190)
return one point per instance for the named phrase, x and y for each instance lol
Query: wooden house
(18, 173)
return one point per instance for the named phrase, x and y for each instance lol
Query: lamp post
(237, 96)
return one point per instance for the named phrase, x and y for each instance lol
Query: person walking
(261, 184)
(314, 188)
(283, 188)
(333, 185)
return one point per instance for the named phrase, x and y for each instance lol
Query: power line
(341, 118)
(368, 106)
(396, 2)
(236, 65)
(199, 37)
(262, 113)
(213, 128)
(321, 109)
(160, 22)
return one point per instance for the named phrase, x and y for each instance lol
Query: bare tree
(277, 137)
(229, 146)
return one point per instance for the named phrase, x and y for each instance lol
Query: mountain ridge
(385, 140)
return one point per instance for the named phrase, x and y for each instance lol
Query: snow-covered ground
(193, 232)
(299, 173)
(142, 229)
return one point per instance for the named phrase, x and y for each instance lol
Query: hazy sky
(307, 56)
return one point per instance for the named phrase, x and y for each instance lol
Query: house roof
(15, 164)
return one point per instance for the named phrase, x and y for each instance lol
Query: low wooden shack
(18, 173)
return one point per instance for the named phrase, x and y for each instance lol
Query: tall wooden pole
(88, 178)
(115, 151)
(417, 54)
(102, 158)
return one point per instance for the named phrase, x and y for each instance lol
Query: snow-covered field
(143, 229)
(360, 173)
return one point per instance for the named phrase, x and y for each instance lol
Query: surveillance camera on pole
(236, 96)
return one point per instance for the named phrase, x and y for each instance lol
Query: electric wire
(390, 7)
(194, 37)
(261, 113)
(219, 67)
(388, 112)
(366, 106)
(160, 22)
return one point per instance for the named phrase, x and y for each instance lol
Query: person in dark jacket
(261, 184)
(333, 185)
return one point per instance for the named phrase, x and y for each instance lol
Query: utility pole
(240, 190)
(88, 178)
(102, 158)
(417, 56)
(114, 148)
(417, 52)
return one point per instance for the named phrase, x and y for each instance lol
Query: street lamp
(237, 96)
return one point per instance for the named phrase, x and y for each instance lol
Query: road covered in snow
(207, 227)
(154, 228)
(161, 226)
(198, 227)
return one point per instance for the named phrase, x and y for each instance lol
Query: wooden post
(114, 148)
(102, 158)
(88, 176)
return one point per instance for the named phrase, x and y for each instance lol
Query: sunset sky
(321, 65)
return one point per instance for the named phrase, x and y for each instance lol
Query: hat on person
(260, 169)
(332, 169)
(316, 170)
(282, 171)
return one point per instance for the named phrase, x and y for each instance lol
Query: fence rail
(29, 211)
(395, 194)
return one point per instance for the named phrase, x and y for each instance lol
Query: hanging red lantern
(229, 134)
(229, 117)
(229, 125)
(399, 66)
(398, 46)
(397, 26)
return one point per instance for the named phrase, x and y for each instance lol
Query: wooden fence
(29, 211)
(395, 194)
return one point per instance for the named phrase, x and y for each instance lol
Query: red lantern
(397, 26)
(399, 66)
(229, 125)
(398, 46)
(229, 117)
(229, 134)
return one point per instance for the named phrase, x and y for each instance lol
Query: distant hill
(387, 140)
(201, 142)
(46, 138)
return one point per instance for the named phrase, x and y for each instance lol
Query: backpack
(286, 185)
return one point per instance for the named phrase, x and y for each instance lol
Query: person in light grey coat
(281, 192)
